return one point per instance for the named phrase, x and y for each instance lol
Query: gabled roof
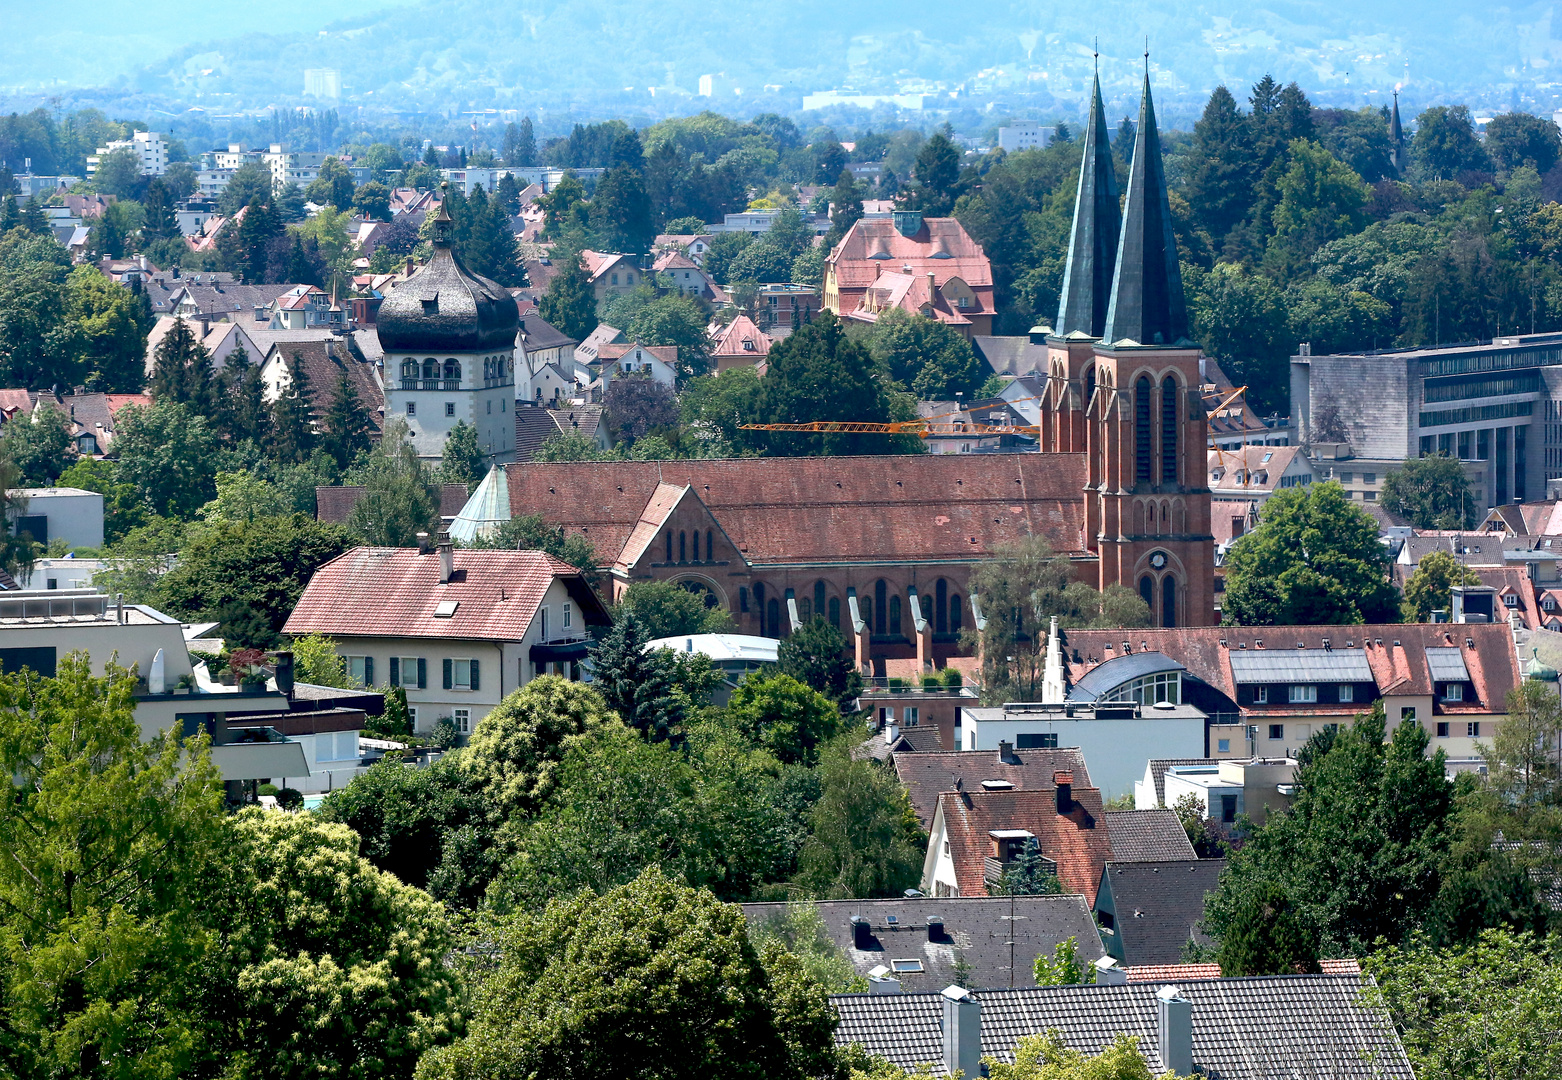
(395, 592)
(801, 510)
(1147, 836)
(602, 335)
(664, 500)
(736, 337)
(1254, 470)
(1092, 250)
(976, 929)
(1258, 1028)
(941, 245)
(667, 354)
(535, 333)
(324, 363)
(576, 419)
(1012, 355)
(1158, 905)
(926, 775)
(1076, 840)
(598, 263)
(533, 427)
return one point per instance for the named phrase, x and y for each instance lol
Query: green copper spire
(1147, 303)
(1087, 277)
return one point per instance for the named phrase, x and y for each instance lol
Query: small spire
(1053, 692)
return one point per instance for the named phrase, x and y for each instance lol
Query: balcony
(879, 687)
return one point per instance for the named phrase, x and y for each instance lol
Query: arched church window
(1169, 430)
(1142, 446)
(1147, 592)
(1168, 601)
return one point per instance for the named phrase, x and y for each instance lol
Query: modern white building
(322, 83)
(150, 147)
(62, 513)
(449, 340)
(1224, 789)
(1115, 737)
(1019, 135)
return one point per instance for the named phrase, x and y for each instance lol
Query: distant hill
(579, 56)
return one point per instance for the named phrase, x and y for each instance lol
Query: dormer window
(431, 306)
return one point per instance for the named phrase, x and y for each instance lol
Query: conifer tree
(292, 433)
(159, 206)
(570, 304)
(33, 219)
(463, 460)
(637, 685)
(176, 358)
(242, 405)
(346, 426)
(1220, 184)
(10, 216)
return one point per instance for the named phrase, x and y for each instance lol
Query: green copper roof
(1087, 277)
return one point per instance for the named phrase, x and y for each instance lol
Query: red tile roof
(393, 592)
(335, 504)
(929, 774)
(804, 510)
(667, 354)
(731, 340)
(856, 268)
(1171, 973)
(1512, 580)
(1076, 841)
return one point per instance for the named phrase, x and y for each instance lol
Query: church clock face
(1158, 560)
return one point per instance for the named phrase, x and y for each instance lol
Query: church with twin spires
(883, 547)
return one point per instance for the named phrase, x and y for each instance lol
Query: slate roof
(393, 592)
(1158, 905)
(445, 307)
(1076, 841)
(1260, 1028)
(1147, 836)
(584, 419)
(788, 511)
(1395, 655)
(976, 928)
(536, 334)
(1010, 355)
(533, 427)
(1092, 251)
(926, 775)
(335, 504)
(324, 363)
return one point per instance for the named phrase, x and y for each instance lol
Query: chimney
(284, 661)
(423, 543)
(447, 558)
(862, 933)
(932, 289)
(882, 981)
(1005, 752)
(1109, 974)
(962, 1032)
(1065, 783)
(1175, 1013)
(891, 733)
(935, 928)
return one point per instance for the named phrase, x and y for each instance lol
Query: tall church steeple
(1087, 277)
(1147, 303)
(1396, 138)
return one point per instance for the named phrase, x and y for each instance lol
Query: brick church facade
(883, 547)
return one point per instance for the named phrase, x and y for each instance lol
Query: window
(569, 616)
(1346, 477)
(614, 279)
(683, 547)
(1228, 809)
(490, 408)
(835, 612)
(1260, 695)
(1347, 693)
(1510, 600)
(912, 715)
(1169, 433)
(1045, 740)
(412, 408)
(894, 614)
(696, 545)
(899, 966)
(1473, 729)
(1370, 496)
(1442, 729)
(1142, 435)
(1150, 689)
(463, 720)
(361, 670)
(880, 605)
(450, 408)
(710, 545)
(461, 674)
(1407, 712)
(1454, 691)
(956, 613)
(742, 589)
(408, 671)
(1277, 731)
(542, 625)
(1224, 746)
(670, 554)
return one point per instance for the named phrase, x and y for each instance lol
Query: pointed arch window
(819, 597)
(880, 593)
(894, 614)
(956, 615)
(835, 612)
(941, 607)
(1168, 601)
(669, 545)
(1169, 397)
(696, 545)
(1142, 444)
(710, 545)
(683, 550)
(1147, 592)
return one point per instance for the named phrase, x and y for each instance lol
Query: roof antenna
(1147, 56)
(1098, 54)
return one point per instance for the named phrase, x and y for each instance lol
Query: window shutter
(395, 671)
(449, 682)
(474, 675)
(422, 674)
(368, 671)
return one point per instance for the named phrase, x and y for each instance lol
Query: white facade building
(1019, 135)
(148, 146)
(65, 513)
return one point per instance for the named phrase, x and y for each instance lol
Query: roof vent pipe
(447, 559)
(862, 933)
(1109, 974)
(1175, 1014)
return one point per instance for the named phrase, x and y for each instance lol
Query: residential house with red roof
(612, 273)
(738, 344)
(458, 630)
(679, 273)
(929, 266)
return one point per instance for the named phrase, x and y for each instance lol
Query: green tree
(530, 532)
(1515, 139)
(845, 209)
(801, 931)
(1020, 590)
(291, 426)
(1313, 560)
(1445, 144)
(1430, 587)
(1220, 181)
(40, 445)
(463, 460)
(1265, 936)
(1028, 875)
(345, 428)
(158, 206)
(679, 321)
(515, 754)
(1047, 1057)
(1063, 967)
(241, 399)
(786, 717)
(327, 966)
(181, 368)
(1240, 318)
(119, 174)
(620, 213)
(400, 499)
(316, 662)
(816, 656)
(928, 357)
(333, 186)
(1361, 852)
(243, 497)
(819, 373)
(1433, 492)
(123, 507)
(249, 183)
(39, 346)
(111, 337)
(1319, 199)
(865, 840)
(257, 570)
(569, 303)
(664, 609)
(652, 979)
(937, 174)
(372, 200)
(636, 684)
(169, 454)
(102, 904)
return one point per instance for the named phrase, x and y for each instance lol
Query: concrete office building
(1495, 405)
